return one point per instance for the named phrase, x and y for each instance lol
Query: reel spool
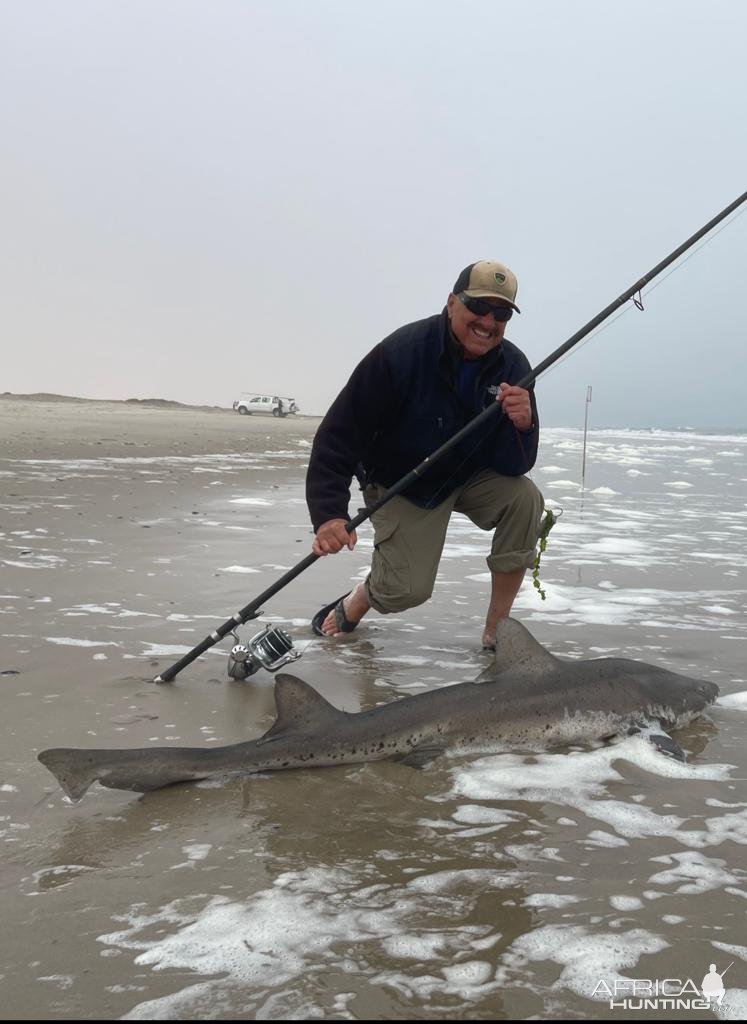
(270, 649)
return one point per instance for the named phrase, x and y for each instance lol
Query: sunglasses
(481, 307)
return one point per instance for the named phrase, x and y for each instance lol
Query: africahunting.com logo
(667, 994)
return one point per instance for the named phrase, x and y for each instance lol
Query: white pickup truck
(267, 405)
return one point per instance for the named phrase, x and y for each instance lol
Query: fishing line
(627, 309)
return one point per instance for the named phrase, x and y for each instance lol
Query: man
(411, 393)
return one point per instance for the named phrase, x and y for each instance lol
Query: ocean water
(525, 885)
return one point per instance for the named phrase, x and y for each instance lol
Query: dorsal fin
(300, 706)
(517, 651)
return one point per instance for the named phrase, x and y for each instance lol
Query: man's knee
(517, 530)
(518, 521)
(503, 500)
(396, 597)
(526, 500)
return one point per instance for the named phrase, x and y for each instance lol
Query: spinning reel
(270, 649)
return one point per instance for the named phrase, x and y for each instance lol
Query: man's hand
(332, 537)
(516, 405)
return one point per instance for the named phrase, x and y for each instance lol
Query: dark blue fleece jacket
(407, 397)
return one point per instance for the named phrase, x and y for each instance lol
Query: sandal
(344, 625)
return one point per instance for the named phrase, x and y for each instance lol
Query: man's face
(476, 334)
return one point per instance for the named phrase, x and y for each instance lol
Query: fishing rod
(272, 648)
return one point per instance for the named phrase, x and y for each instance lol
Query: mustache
(476, 323)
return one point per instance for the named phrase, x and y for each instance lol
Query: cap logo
(500, 278)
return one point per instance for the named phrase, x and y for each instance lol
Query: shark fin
(419, 757)
(300, 706)
(517, 651)
(666, 745)
(75, 770)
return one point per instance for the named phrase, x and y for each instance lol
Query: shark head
(673, 699)
(620, 687)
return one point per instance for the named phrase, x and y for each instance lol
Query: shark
(526, 699)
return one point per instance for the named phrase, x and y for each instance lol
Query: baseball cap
(488, 279)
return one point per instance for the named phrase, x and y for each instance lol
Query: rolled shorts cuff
(511, 561)
(373, 601)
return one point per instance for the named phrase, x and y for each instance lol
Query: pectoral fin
(666, 745)
(420, 757)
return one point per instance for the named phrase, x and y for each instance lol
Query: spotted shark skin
(526, 699)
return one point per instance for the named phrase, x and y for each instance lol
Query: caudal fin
(75, 770)
(137, 770)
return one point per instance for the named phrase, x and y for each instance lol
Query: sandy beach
(48, 427)
(489, 887)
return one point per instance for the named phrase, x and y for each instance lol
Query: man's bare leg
(356, 604)
(503, 591)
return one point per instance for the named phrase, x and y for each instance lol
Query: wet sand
(486, 887)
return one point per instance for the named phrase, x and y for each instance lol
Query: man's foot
(355, 606)
(488, 639)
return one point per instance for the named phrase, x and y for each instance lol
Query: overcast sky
(202, 198)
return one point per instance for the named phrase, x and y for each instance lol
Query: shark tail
(75, 770)
(136, 770)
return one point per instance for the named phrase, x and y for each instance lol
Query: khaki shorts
(408, 540)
